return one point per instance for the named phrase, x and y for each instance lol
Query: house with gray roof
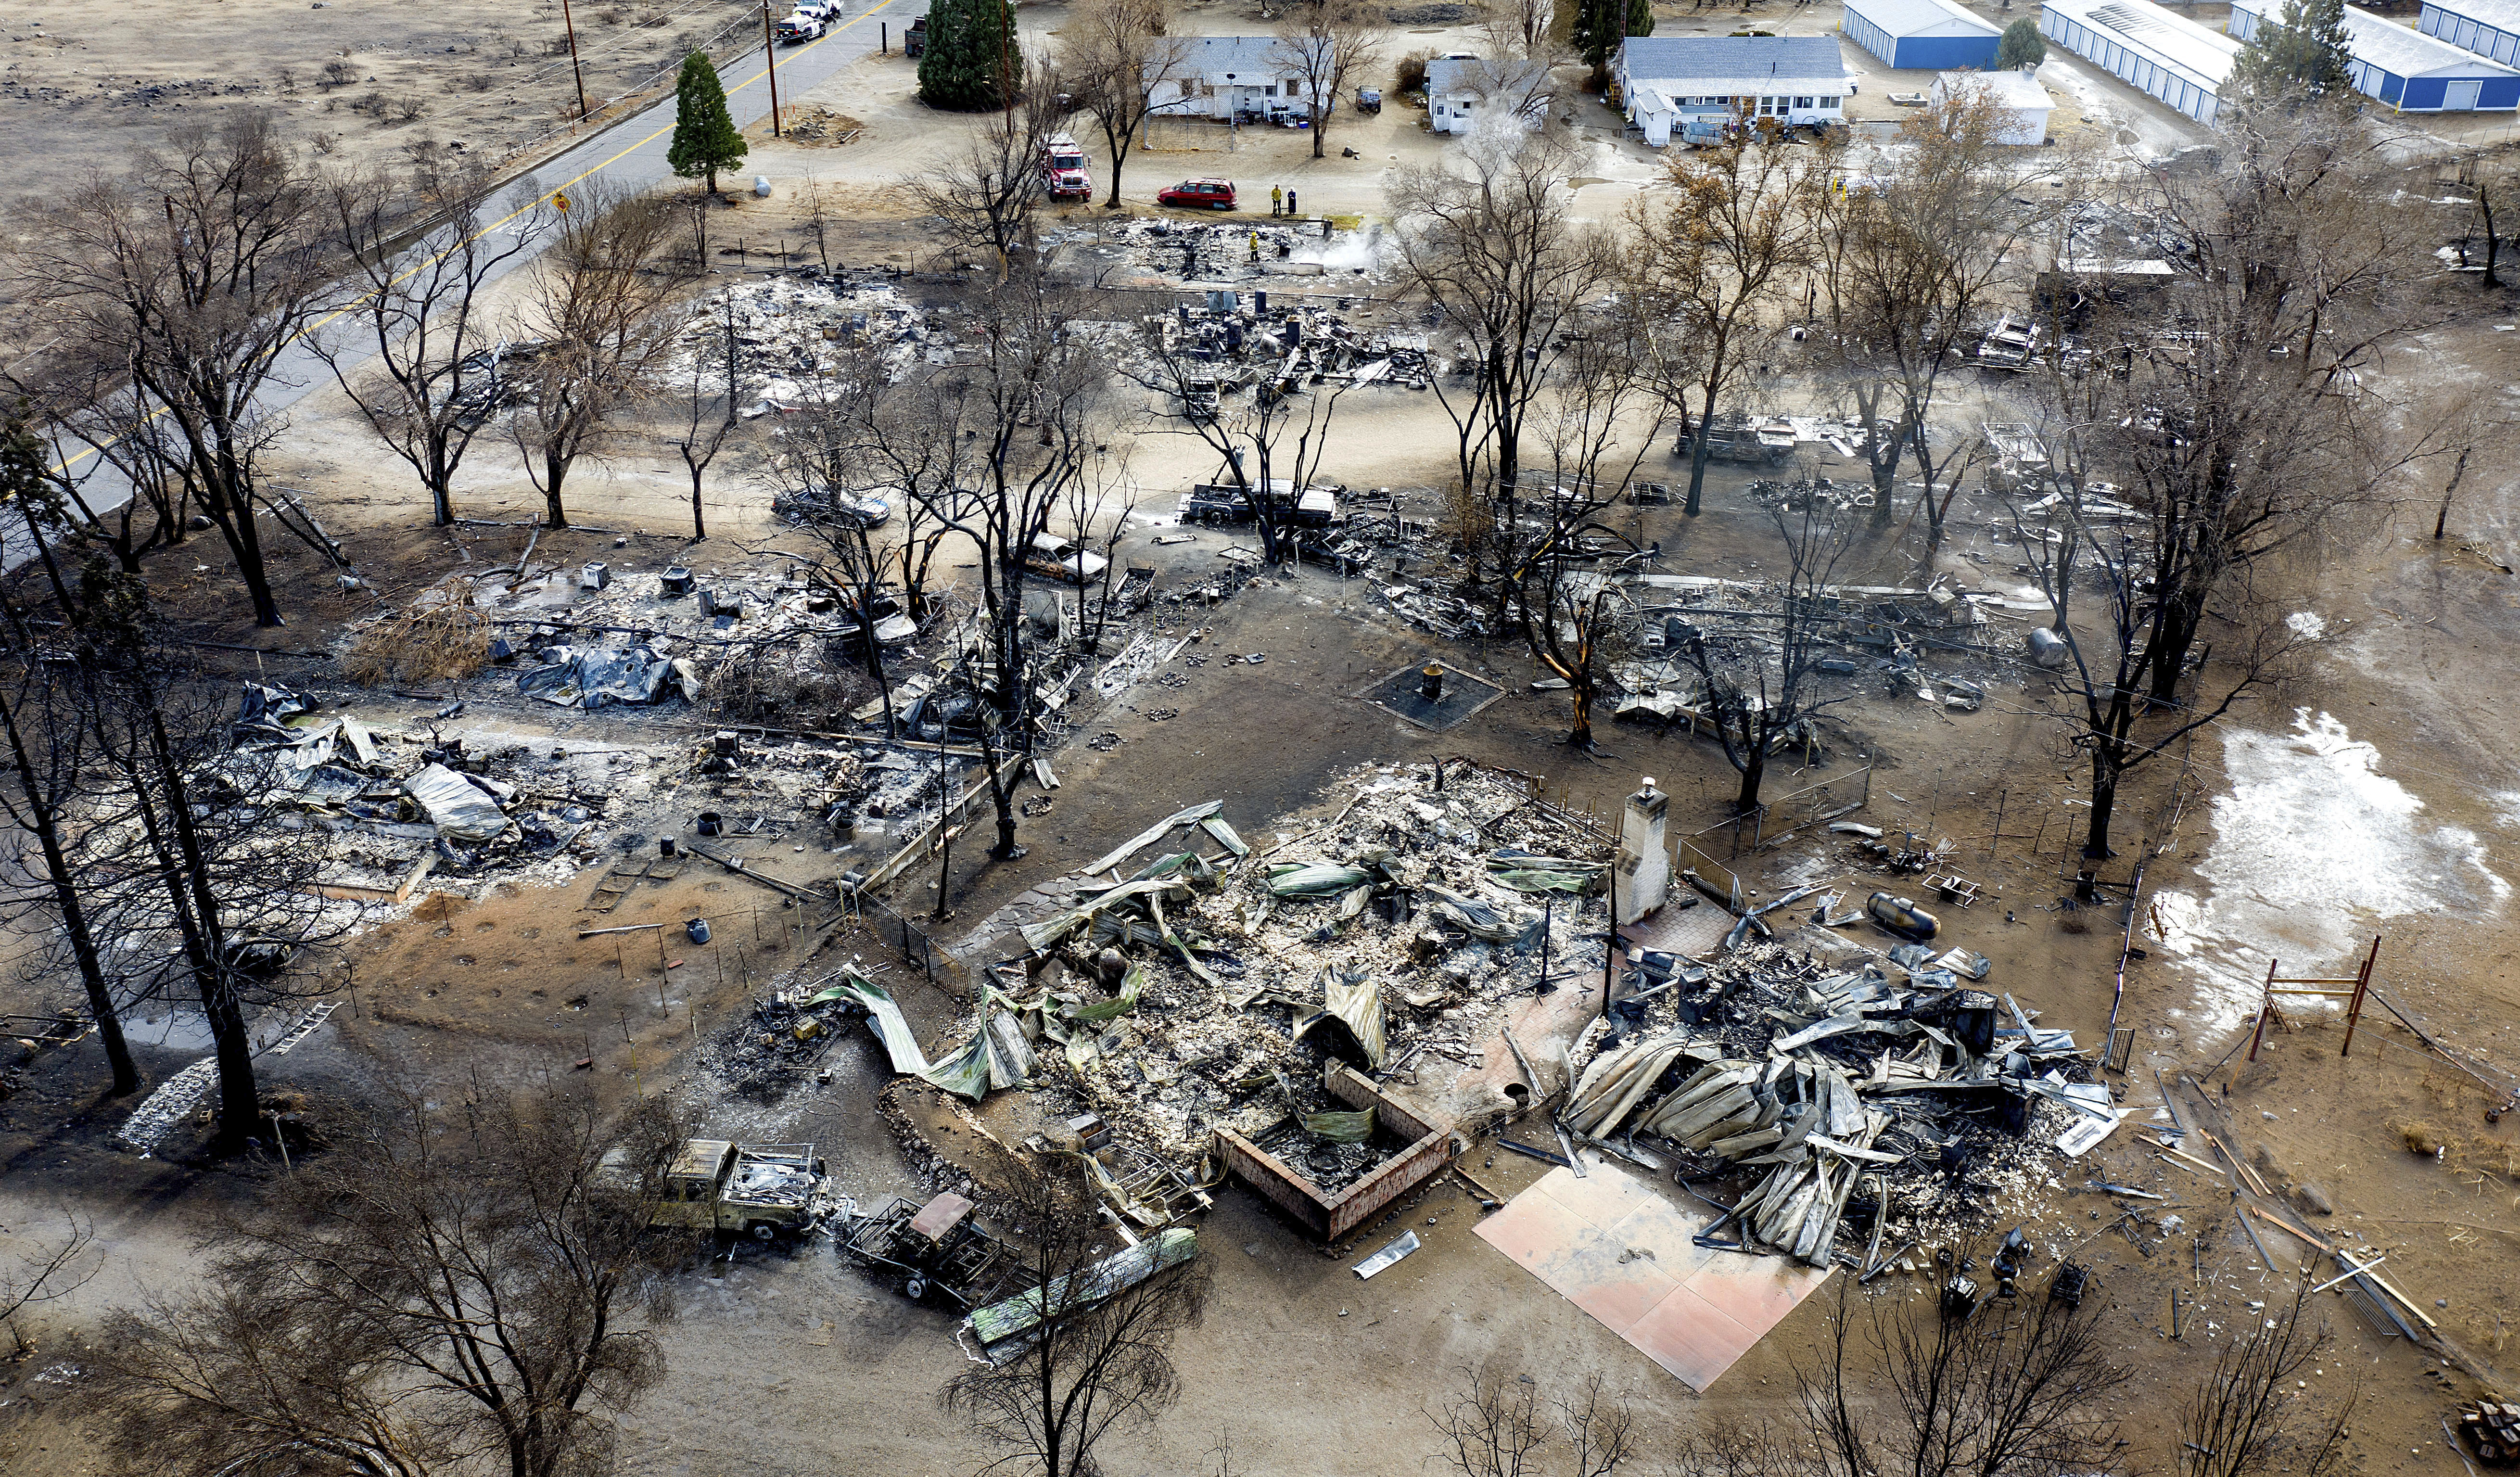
(1687, 85)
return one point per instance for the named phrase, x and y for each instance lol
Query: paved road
(629, 155)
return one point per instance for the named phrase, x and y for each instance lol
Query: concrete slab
(1621, 1247)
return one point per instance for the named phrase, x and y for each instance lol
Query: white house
(1460, 88)
(1233, 77)
(1669, 85)
(2017, 92)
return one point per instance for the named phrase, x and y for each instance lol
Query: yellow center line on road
(590, 170)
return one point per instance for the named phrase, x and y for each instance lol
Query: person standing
(1290, 202)
(1277, 201)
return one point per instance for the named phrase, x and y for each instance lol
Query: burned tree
(1552, 542)
(446, 1283)
(1758, 672)
(1740, 223)
(599, 327)
(1233, 390)
(192, 845)
(2250, 1416)
(2010, 1388)
(49, 793)
(1505, 270)
(1027, 409)
(1101, 1354)
(188, 279)
(1907, 264)
(414, 345)
(708, 420)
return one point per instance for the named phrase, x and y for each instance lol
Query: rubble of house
(1277, 347)
(1836, 1111)
(1215, 984)
(1148, 250)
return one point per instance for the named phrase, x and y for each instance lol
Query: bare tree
(2250, 431)
(1493, 1424)
(1320, 46)
(984, 192)
(1504, 269)
(2017, 1388)
(192, 275)
(708, 421)
(1759, 673)
(51, 788)
(1908, 262)
(416, 346)
(1723, 252)
(1520, 31)
(1114, 55)
(2251, 1416)
(116, 466)
(44, 1272)
(1101, 1355)
(449, 1281)
(598, 311)
(195, 840)
(1268, 432)
(1029, 406)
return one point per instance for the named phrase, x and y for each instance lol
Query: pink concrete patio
(1620, 1249)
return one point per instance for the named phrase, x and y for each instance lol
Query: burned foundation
(1327, 1214)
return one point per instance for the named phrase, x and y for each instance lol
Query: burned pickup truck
(1225, 504)
(760, 1189)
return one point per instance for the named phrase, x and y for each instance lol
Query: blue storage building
(1935, 35)
(2490, 29)
(2411, 71)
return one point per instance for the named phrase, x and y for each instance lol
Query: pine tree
(972, 61)
(1602, 25)
(2304, 46)
(2021, 47)
(705, 138)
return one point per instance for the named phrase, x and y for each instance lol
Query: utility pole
(574, 69)
(770, 61)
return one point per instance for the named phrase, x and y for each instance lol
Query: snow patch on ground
(2313, 848)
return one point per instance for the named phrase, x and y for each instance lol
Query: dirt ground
(2371, 797)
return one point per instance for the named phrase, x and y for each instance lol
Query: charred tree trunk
(44, 820)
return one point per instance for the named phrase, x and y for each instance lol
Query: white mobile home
(1461, 89)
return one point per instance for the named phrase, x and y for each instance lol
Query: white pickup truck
(809, 21)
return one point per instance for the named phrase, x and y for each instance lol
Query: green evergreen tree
(1602, 25)
(2021, 48)
(705, 138)
(972, 61)
(2302, 47)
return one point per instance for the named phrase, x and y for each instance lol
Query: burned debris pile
(1218, 984)
(1829, 1100)
(1211, 987)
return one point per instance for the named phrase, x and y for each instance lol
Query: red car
(1203, 195)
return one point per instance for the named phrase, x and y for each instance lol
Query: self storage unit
(2490, 29)
(2169, 56)
(1921, 34)
(2407, 69)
